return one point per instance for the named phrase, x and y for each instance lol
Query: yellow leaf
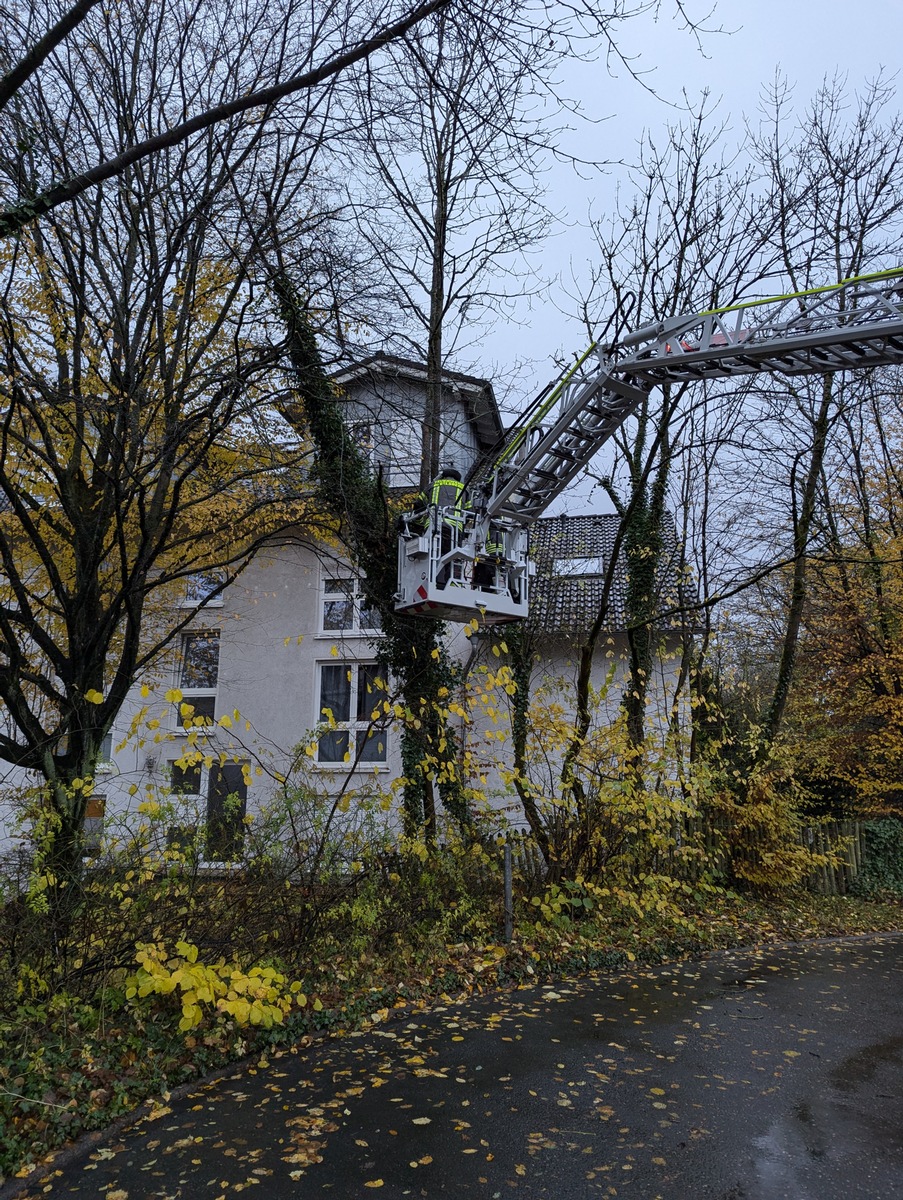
(145, 691)
(374, 1183)
(225, 721)
(173, 696)
(93, 696)
(318, 1005)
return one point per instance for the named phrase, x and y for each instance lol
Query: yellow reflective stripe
(451, 483)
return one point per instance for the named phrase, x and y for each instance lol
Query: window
(227, 802)
(223, 791)
(104, 763)
(363, 436)
(345, 610)
(394, 447)
(185, 781)
(199, 588)
(577, 566)
(404, 440)
(349, 694)
(198, 677)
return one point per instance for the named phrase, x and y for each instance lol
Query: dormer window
(578, 567)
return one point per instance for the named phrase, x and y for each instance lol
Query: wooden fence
(846, 841)
(843, 842)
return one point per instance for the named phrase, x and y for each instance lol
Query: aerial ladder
(473, 562)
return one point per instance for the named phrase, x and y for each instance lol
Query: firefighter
(495, 542)
(447, 492)
(487, 565)
(447, 497)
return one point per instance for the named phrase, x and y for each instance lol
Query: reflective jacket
(448, 494)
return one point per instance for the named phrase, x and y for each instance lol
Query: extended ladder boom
(857, 323)
(446, 567)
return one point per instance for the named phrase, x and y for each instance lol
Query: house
(260, 663)
(291, 641)
(384, 398)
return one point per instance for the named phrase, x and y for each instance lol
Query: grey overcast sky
(805, 40)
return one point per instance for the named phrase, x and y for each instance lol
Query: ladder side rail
(511, 448)
(827, 310)
(716, 344)
(717, 351)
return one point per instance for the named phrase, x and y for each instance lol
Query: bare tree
(693, 237)
(836, 193)
(140, 439)
(254, 56)
(453, 201)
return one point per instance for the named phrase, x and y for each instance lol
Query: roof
(478, 394)
(572, 555)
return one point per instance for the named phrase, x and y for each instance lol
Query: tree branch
(26, 67)
(23, 214)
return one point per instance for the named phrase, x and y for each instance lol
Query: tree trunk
(771, 722)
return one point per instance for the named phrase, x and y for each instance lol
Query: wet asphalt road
(750, 1076)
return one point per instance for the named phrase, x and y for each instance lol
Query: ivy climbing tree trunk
(411, 650)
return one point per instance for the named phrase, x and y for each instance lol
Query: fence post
(509, 894)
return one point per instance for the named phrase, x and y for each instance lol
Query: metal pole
(509, 896)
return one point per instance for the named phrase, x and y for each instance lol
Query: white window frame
(355, 725)
(191, 694)
(332, 595)
(393, 446)
(105, 762)
(578, 566)
(93, 825)
(200, 600)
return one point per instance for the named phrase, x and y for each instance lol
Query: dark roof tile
(572, 554)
